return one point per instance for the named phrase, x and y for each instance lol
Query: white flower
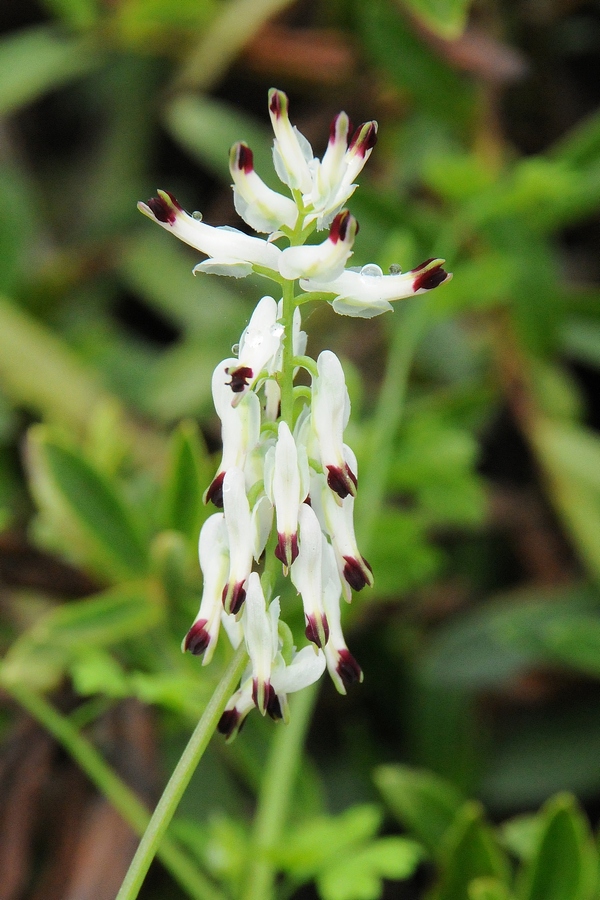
(367, 292)
(305, 668)
(307, 577)
(240, 539)
(286, 484)
(291, 151)
(330, 410)
(240, 428)
(260, 635)
(230, 252)
(213, 550)
(337, 520)
(333, 176)
(259, 348)
(342, 666)
(262, 208)
(322, 261)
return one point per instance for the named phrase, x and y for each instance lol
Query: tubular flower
(286, 481)
(230, 251)
(367, 292)
(330, 411)
(213, 550)
(287, 486)
(262, 208)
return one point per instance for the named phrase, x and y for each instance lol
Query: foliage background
(475, 418)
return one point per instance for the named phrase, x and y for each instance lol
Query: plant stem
(276, 791)
(180, 778)
(124, 800)
(409, 326)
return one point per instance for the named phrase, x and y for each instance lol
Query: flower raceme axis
(286, 483)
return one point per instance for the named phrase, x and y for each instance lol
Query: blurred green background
(475, 420)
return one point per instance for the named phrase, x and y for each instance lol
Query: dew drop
(197, 215)
(371, 270)
(395, 269)
(235, 349)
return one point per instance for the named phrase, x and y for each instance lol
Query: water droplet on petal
(235, 349)
(197, 215)
(371, 270)
(277, 330)
(395, 269)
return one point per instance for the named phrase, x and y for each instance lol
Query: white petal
(307, 667)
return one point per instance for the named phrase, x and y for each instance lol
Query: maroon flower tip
(339, 226)
(273, 705)
(364, 138)
(342, 481)
(245, 158)
(214, 492)
(229, 723)
(333, 129)
(239, 378)
(430, 279)
(357, 572)
(236, 598)
(348, 669)
(286, 550)
(316, 635)
(275, 104)
(197, 639)
(162, 209)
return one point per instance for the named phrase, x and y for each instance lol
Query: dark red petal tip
(214, 492)
(239, 378)
(422, 265)
(245, 158)
(286, 550)
(358, 573)
(229, 723)
(339, 226)
(317, 635)
(364, 138)
(233, 600)
(342, 481)
(275, 103)
(273, 705)
(163, 209)
(348, 669)
(197, 639)
(430, 279)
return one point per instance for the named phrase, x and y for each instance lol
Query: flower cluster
(287, 482)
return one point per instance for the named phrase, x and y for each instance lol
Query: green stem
(409, 326)
(180, 778)
(276, 791)
(127, 804)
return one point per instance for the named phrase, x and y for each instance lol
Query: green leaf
(446, 17)
(98, 672)
(520, 835)
(358, 877)
(488, 889)
(469, 851)
(84, 510)
(188, 476)
(421, 801)
(40, 656)
(564, 865)
(207, 128)
(313, 846)
(77, 14)
(37, 60)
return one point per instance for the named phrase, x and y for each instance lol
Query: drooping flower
(240, 539)
(330, 411)
(307, 577)
(213, 549)
(286, 483)
(258, 350)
